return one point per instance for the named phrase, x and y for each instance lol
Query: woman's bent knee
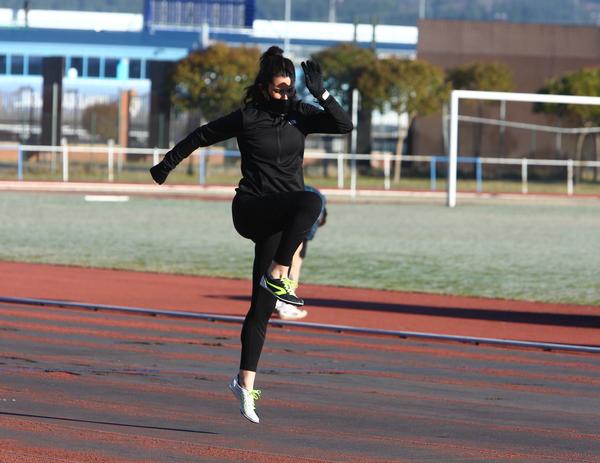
(312, 202)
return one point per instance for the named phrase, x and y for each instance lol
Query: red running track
(392, 310)
(80, 386)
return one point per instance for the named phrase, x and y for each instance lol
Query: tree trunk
(578, 155)
(402, 133)
(192, 123)
(363, 138)
(478, 131)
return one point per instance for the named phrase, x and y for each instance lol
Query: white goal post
(457, 95)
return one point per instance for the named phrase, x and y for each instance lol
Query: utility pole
(288, 17)
(374, 21)
(332, 10)
(26, 12)
(422, 9)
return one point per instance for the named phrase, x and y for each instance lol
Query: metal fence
(21, 114)
(111, 159)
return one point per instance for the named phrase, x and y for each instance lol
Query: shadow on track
(75, 420)
(510, 316)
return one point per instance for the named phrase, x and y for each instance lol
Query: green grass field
(528, 251)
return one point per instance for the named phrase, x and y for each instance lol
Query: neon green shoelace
(255, 394)
(289, 285)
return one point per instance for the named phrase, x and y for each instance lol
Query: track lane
(401, 311)
(88, 386)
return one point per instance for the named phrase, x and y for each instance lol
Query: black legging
(277, 224)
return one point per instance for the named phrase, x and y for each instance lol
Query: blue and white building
(118, 45)
(106, 52)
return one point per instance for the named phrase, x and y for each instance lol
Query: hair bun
(273, 51)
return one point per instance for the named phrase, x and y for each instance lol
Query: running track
(84, 386)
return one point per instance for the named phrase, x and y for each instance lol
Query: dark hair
(272, 64)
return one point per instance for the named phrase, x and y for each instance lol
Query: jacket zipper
(278, 143)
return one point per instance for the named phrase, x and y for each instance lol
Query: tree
(343, 66)
(414, 87)
(101, 119)
(585, 82)
(481, 76)
(486, 77)
(212, 81)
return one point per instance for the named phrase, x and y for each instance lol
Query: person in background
(288, 311)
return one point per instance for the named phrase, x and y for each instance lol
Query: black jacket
(271, 144)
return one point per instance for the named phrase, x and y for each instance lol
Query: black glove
(159, 172)
(313, 78)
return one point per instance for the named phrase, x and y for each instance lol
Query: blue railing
(460, 160)
(61, 155)
(433, 166)
(204, 154)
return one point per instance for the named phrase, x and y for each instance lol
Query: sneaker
(283, 289)
(289, 311)
(246, 399)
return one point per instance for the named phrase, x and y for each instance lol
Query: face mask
(280, 106)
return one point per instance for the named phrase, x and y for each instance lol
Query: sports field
(122, 383)
(532, 251)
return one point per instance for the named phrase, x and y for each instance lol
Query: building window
(77, 64)
(35, 65)
(135, 69)
(93, 67)
(2, 64)
(110, 67)
(16, 65)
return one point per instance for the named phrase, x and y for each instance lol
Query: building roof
(123, 35)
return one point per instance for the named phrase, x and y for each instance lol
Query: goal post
(457, 95)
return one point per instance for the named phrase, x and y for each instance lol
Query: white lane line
(106, 198)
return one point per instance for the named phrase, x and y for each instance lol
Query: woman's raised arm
(208, 134)
(334, 119)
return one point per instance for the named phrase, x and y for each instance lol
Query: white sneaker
(289, 311)
(246, 399)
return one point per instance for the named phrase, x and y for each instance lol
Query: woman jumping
(270, 206)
